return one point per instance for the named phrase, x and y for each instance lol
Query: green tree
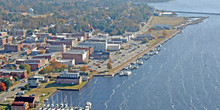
(16, 78)
(26, 67)
(30, 32)
(7, 82)
(109, 65)
(11, 67)
(145, 40)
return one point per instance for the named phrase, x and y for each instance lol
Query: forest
(112, 16)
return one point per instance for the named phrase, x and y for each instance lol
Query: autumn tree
(7, 82)
(83, 68)
(165, 33)
(2, 86)
(109, 66)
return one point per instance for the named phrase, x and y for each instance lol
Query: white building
(69, 63)
(113, 47)
(98, 46)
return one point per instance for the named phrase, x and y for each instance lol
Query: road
(11, 92)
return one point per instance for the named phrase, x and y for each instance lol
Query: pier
(194, 12)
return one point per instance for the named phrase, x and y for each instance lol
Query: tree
(11, 67)
(26, 67)
(16, 78)
(7, 82)
(165, 33)
(145, 40)
(30, 32)
(41, 52)
(2, 86)
(26, 87)
(83, 68)
(109, 65)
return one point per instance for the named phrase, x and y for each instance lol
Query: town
(35, 64)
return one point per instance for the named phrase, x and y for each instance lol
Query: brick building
(80, 56)
(86, 48)
(30, 100)
(19, 106)
(13, 72)
(13, 48)
(50, 56)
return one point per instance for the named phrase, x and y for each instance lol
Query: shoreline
(132, 59)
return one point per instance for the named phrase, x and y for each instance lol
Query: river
(185, 75)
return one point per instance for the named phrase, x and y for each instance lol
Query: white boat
(136, 67)
(157, 52)
(61, 105)
(125, 73)
(65, 105)
(146, 58)
(141, 62)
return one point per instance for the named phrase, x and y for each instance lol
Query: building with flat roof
(69, 78)
(13, 72)
(69, 63)
(57, 48)
(30, 100)
(49, 56)
(13, 48)
(80, 56)
(19, 106)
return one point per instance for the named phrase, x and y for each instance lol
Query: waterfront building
(19, 106)
(69, 78)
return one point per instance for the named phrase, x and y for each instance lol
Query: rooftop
(11, 70)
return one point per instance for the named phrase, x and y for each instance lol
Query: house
(13, 72)
(30, 100)
(33, 82)
(19, 106)
(69, 78)
(80, 56)
(42, 61)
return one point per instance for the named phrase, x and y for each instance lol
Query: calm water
(184, 76)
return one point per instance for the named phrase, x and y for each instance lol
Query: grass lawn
(5, 107)
(49, 88)
(174, 21)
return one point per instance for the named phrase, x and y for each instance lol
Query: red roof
(18, 103)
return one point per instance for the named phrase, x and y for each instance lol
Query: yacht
(125, 73)
(141, 62)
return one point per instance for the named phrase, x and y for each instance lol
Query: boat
(136, 67)
(146, 58)
(125, 73)
(141, 62)
(157, 52)
(121, 73)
